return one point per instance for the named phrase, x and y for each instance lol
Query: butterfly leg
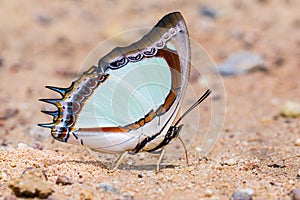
(119, 161)
(162, 153)
(185, 151)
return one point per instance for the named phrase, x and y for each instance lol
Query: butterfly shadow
(142, 167)
(95, 163)
(109, 165)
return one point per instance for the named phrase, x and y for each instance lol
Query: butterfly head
(175, 130)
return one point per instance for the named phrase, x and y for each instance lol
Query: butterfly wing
(129, 101)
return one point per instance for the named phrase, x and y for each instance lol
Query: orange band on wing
(104, 129)
(142, 121)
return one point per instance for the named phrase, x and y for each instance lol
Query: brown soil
(44, 43)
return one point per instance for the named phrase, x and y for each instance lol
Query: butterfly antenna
(204, 96)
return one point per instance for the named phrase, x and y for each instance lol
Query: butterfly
(130, 100)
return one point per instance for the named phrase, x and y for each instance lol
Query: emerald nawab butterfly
(130, 100)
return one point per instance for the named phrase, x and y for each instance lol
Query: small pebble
(242, 63)
(290, 109)
(3, 176)
(140, 175)
(23, 146)
(149, 173)
(296, 194)
(275, 165)
(209, 12)
(199, 149)
(291, 182)
(208, 193)
(63, 180)
(32, 183)
(230, 162)
(13, 164)
(108, 188)
(275, 183)
(297, 142)
(244, 194)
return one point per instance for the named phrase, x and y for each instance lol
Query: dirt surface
(45, 43)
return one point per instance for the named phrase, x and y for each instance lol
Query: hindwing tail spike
(61, 91)
(55, 113)
(50, 125)
(51, 101)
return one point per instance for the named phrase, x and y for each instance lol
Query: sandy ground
(45, 43)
